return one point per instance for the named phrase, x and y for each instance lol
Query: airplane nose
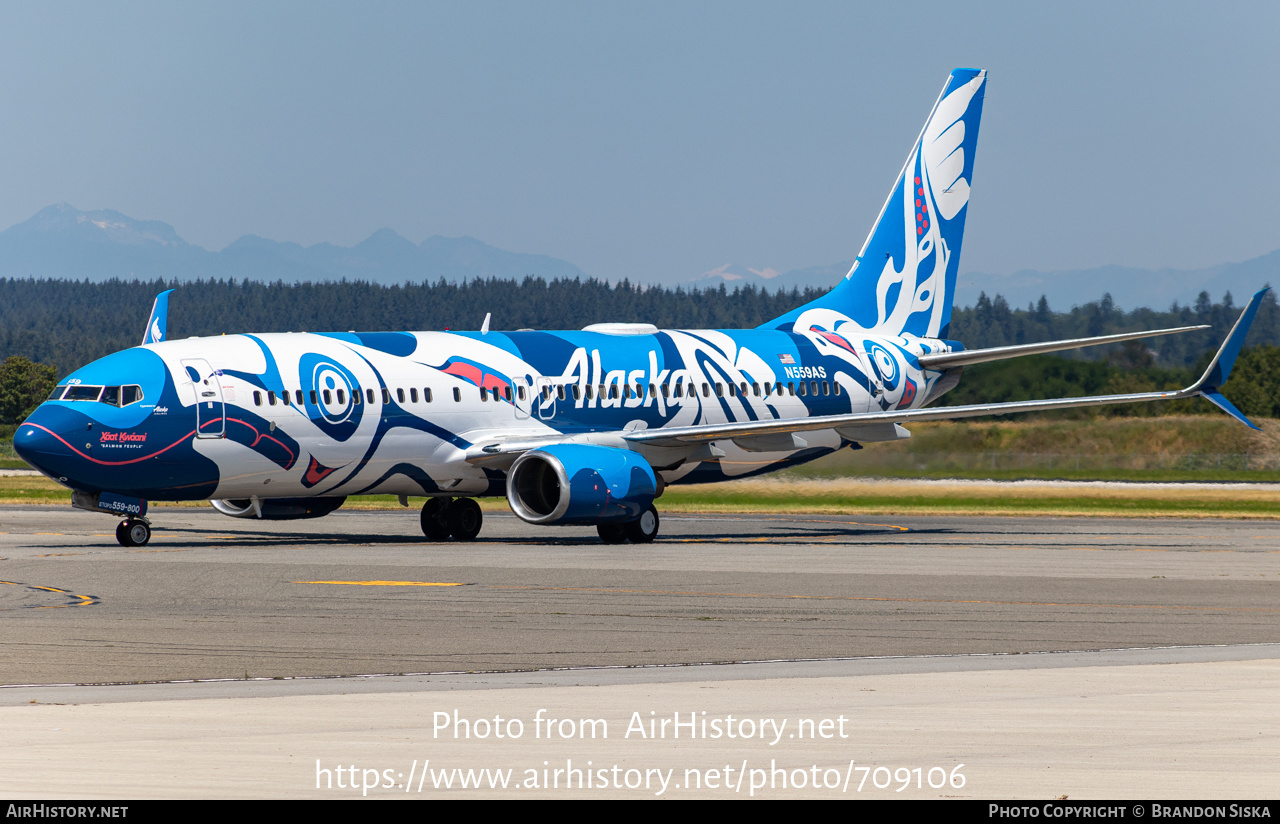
(36, 443)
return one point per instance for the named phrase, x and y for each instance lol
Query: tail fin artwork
(158, 324)
(904, 279)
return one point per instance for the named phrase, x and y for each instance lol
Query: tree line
(63, 324)
(69, 323)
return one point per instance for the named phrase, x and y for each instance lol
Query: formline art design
(572, 427)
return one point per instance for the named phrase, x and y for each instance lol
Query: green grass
(1174, 448)
(940, 468)
(967, 501)
(33, 489)
(857, 499)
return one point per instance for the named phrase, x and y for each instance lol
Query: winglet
(1227, 406)
(158, 323)
(1220, 367)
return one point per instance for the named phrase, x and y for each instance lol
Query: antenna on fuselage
(484, 327)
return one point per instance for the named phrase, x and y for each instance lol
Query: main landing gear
(640, 531)
(445, 517)
(133, 532)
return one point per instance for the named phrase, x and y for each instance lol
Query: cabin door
(211, 411)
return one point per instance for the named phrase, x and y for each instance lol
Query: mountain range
(63, 242)
(1130, 288)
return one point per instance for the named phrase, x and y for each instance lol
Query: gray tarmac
(361, 593)
(1088, 657)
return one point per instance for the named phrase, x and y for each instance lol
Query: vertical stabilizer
(904, 279)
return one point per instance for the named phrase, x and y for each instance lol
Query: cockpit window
(56, 394)
(80, 392)
(114, 395)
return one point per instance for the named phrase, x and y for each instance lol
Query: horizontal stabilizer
(946, 360)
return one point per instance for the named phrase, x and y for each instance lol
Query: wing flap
(689, 435)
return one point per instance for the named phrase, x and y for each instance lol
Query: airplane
(573, 427)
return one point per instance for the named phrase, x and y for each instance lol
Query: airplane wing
(1207, 387)
(964, 357)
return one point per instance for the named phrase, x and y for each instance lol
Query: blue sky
(649, 140)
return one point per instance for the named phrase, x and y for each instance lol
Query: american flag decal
(786, 359)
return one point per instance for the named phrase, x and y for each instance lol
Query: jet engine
(580, 484)
(277, 509)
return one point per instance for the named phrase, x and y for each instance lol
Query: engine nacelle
(277, 509)
(580, 484)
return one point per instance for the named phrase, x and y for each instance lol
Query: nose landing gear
(133, 532)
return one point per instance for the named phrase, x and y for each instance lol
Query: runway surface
(361, 593)
(974, 657)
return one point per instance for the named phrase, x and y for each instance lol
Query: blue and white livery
(572, 427)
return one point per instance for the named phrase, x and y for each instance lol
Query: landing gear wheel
(612, 533)
(464, 519)
(643, 529)
(434, 525)
(133, 533)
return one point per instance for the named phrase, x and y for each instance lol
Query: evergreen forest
(64, 324)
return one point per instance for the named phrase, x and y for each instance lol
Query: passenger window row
(270, 398)
(562, 391)
(688, 390)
